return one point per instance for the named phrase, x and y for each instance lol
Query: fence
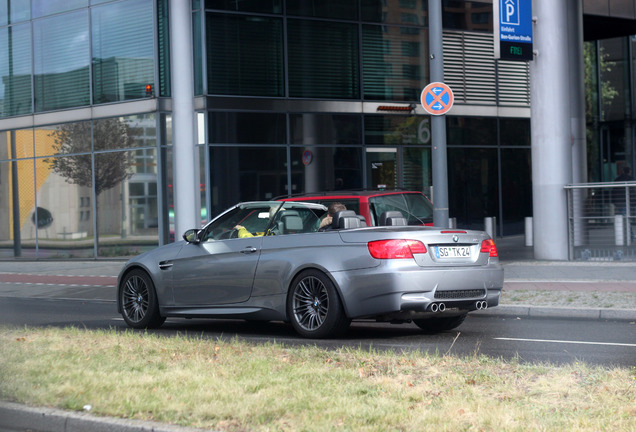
(602, 221)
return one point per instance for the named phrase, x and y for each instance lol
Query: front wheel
(138, 300)
(314, 307)
(436, 325)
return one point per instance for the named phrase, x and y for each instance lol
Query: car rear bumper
(410, 291)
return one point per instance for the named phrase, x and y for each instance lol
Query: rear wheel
(436, 325)
(314, 307)
(138, 299)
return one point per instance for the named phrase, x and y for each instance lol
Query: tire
(437, 325)
(138, 300)
(314, 307)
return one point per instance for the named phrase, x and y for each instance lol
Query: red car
(414, 206)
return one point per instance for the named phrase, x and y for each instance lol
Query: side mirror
(192, 236)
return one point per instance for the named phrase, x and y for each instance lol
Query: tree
(108, 134)
(75, 139)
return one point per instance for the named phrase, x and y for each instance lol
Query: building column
(186, 170)
(550, 122)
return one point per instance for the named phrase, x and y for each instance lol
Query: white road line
(567, 342)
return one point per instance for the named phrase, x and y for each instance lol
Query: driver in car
(244, 233)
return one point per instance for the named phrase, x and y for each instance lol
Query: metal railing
(602, 221)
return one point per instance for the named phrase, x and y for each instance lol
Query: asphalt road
(545, 340)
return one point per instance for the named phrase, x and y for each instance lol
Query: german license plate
(444, 252)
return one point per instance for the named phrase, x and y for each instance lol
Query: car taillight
(488, 246)
(395, 249)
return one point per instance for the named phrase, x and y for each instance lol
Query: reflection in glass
(325, 129)
(127, 211)
(70, 232)
(245, 55)
(246, 174)
(316, 169)
(15, 70)
(418, 175)
(323, 59)
(48, 7)
(61, 61)
(122, 70)
(395, 63)
(397, 130)
(17, 198)
(14, 11)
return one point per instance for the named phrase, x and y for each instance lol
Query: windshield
(265, 218)
(415, 207)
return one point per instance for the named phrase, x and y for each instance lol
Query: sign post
(513, 29)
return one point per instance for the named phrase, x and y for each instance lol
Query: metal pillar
(550, 122)
(438, 123)
(186, 170)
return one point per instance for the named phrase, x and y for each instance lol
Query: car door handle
(248, 250)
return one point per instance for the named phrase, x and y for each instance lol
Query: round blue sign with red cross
(437, 98)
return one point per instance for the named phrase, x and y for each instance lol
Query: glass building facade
(292, 96)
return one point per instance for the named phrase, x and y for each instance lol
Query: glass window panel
(247, 128)
(16, 144)
(472, 185)
(325, 129)
(329, 168)
(246, 174)
(473, 131)
(245, 55)
(260, 6)
(17, 195)
(125, 132)
(396, 130)
(163, 35)
(14, 11)
(15, 70)
(417, 169)
(48, 7)
(66, 198)
(123, 50)
(64, 139)
(323, 60)
(127, 211)
(516, 189)
(395, 65)
(514, 132)
(338, 9)
(614, 79)
(61, 60)
(467, 15)
(381, 11)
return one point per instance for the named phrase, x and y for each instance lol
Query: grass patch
(237, 386)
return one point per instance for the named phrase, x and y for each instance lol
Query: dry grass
(236, 386)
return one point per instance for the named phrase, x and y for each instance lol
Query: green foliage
(74, 139)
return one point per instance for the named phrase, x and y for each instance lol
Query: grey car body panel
(250, 277)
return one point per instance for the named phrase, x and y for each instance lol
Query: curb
(17, 417)
(559, 312)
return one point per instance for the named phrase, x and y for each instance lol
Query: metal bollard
(529, 233)
(619, 230)
(490, 226)
(452, 223)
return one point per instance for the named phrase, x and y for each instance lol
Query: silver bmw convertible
(279, 261)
